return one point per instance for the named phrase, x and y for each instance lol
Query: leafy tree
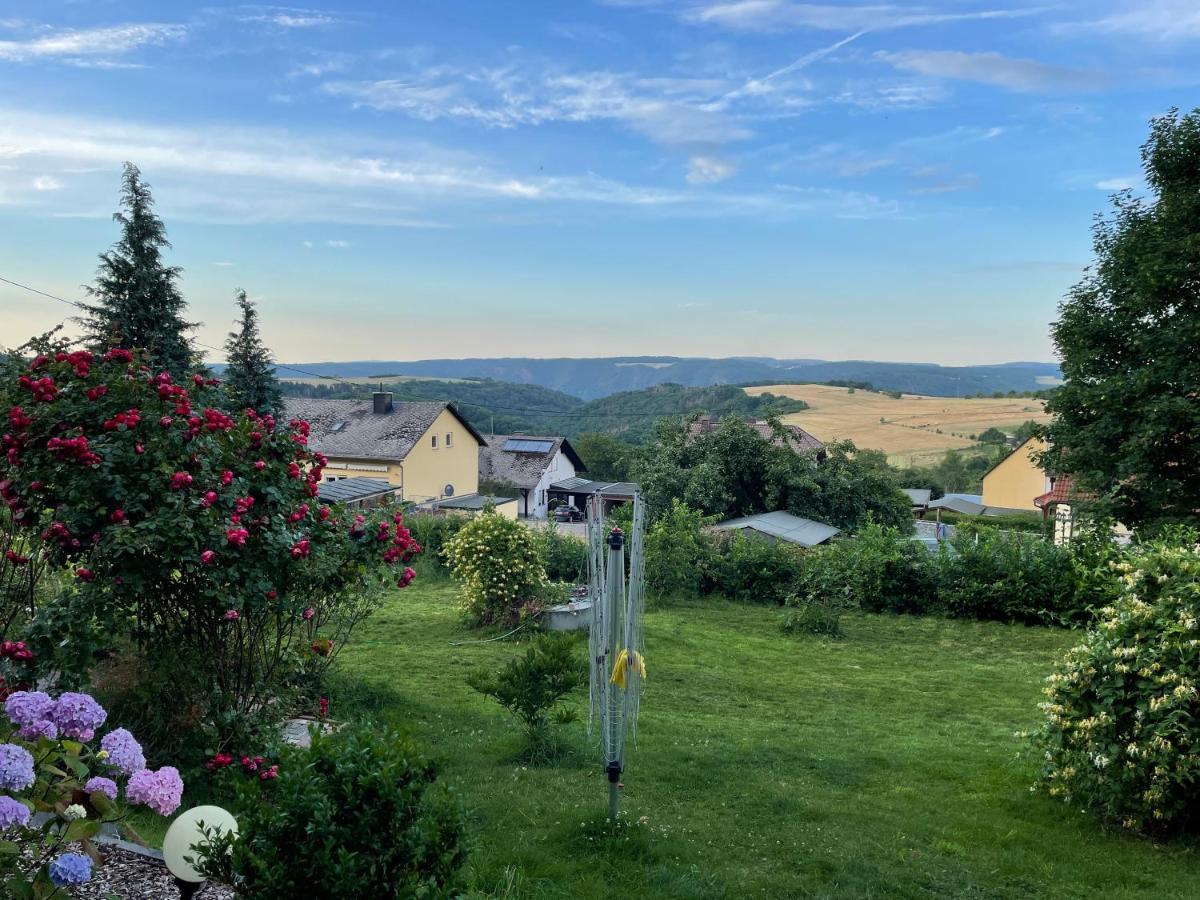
(993, 436)
(250, 381)
(606, 457)
(1127, 424)
(1027, 429)
(138, 303)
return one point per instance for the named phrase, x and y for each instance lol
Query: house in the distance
(530, 464)
(793, 435)
(427, 449)
(1016, 480)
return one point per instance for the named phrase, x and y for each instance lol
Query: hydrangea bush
(190, 533)
(1122, 730)
(51, 763)
(496, 562)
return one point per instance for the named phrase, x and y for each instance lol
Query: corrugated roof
(607, 488)
(918, 496)
(351, 428)
(968, 508)
(522, 468)
(785, 527)
(346, 490)
(471, 501)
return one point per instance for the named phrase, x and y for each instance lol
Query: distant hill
(506, 407)
(590, 379)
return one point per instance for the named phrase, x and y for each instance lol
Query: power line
(357, 386)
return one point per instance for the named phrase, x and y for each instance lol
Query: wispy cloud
(784, 15)
(842, 204)
(91, 45)
(935, 180)
(289, 17)
(46, 183)
(224, 264)
(709, 170)
(1165, 20)
(337, 244)
(994, 69)
(1116, 184)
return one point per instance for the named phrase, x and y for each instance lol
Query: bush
(1012, 578)
(678, 551)
(808, 616)
(433, 532)
(563, 556)
(1121, 732)
(496, 561)
(756, 569)
(532, 686)
(359, 814)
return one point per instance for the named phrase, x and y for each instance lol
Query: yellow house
(426, 449)
(1016, 480)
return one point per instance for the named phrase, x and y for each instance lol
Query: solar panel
(517, 445)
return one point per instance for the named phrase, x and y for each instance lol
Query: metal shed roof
(785, 527)
(347, 490)
(471, 501)
(918, 496)
(607, 488)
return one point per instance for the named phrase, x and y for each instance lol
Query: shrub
(189, 533)
(678, 551)
(52, 761)
(1012, 578)
(809, 616)
(755, 569)
(532, 686)
(563, 556)
(880, 570)
(1121, 727)
(359, 813)
(496, 561)
(432, 532)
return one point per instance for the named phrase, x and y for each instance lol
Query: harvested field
(907, 429)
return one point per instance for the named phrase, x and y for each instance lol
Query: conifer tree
(137, 299)
(249, 380)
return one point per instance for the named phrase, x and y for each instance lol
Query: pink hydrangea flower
(161, 790)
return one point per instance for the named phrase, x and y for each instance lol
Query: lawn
(881, 765)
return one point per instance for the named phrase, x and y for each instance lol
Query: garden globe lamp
(185, 832)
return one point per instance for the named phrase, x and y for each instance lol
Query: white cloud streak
(1160, 20)
(784, 15)
(90, 44)
(709, 170)
(994, 69)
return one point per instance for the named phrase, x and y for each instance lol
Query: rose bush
(49, 765)
(1122, 730)
(193, 536)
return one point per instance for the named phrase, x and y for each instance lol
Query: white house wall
(560, 469)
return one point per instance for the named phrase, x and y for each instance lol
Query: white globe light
(185, 831)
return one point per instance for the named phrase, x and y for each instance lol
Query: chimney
(382, 401)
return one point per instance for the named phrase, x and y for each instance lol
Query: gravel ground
(132, 876)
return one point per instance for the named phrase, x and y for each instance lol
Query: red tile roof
(1062, 491)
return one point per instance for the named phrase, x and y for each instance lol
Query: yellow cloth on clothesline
(625, 660)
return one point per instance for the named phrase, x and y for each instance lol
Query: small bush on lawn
(563, 556)
(755, 569)
(532, 687)
(678, 551)
(1122, 729)
(810, 616)
(496, 561)
(433, 532)
(359, 814)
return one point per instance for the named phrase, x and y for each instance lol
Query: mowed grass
(881, 765)
(909, 430)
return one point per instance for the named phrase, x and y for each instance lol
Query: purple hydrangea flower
(27, 708)
(105, 786)
(13, 812)
(43, 728)
(16, 767)
(70, 868)
(161, 790)
(78, 716)
(124, 753)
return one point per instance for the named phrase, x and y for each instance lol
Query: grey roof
(471, 501)
(346, 490)
(970, 508)
(974, 498)
(351, 428)
(918, 496)
(522, 468)
(607, 488)
(785, 527)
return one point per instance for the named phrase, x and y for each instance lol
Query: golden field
(907, 429)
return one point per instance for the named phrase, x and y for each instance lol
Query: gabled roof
(970, 508)
(351, 428)
(1062, 490)
(918, 496)
(1007, 456)
(520, 460)
(783, 526)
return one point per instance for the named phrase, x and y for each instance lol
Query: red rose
(207, 557)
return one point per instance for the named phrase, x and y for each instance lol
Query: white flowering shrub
(1122, 731)
(497, 563)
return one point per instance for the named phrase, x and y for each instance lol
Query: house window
(449, 438)
(433, 441)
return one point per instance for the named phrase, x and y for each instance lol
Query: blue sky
(691, 177)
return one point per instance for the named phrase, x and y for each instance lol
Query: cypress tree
(250, 381)
(138, 303)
